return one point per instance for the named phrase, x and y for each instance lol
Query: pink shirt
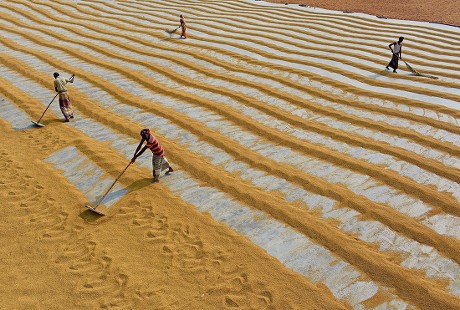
(155, 146)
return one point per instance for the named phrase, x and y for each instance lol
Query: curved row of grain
(346, 173)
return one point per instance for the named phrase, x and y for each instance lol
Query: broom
(170, 32)
(415, 72)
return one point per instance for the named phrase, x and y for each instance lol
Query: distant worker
(397, 53)
(64, 100)
(183, 27)
(158, 159)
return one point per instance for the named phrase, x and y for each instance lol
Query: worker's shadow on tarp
(51, 121)
(120, 194)
(379, 74)
(172, 38)
(173, 35)
(31, 126)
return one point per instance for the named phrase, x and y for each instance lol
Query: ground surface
(307, 176)
(440, 11)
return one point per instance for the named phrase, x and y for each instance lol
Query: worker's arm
(139, 146)
(136, 154)
(69, 80)
(390, 46)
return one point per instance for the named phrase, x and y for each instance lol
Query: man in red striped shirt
(159, 161)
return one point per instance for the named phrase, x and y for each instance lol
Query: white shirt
(59, 83)
(397, 48)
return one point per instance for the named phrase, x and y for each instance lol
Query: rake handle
(100, 200)
(47, 108)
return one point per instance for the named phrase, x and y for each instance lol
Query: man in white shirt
(397, 53)
(64, 100)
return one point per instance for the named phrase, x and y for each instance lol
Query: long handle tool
(37, 123)
(106, 193)
(170, 32)
(415, 72)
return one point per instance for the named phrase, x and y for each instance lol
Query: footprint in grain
(122, 279)
(56, 229)
(229, 302)
(264, 298)
(106, 261)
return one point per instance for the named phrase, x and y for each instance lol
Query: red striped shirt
(155, 146)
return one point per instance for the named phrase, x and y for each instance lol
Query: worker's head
(145, 133)
(401, 39)
(181, 16)
(55, 74)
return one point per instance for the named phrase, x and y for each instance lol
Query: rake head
(94, 210)
(38, 124)
(415, 72)
(172, 31)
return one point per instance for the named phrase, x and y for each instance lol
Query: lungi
(394, 62)
(65, 105)
(159, 164)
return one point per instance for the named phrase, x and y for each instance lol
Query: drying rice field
(307, 176)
